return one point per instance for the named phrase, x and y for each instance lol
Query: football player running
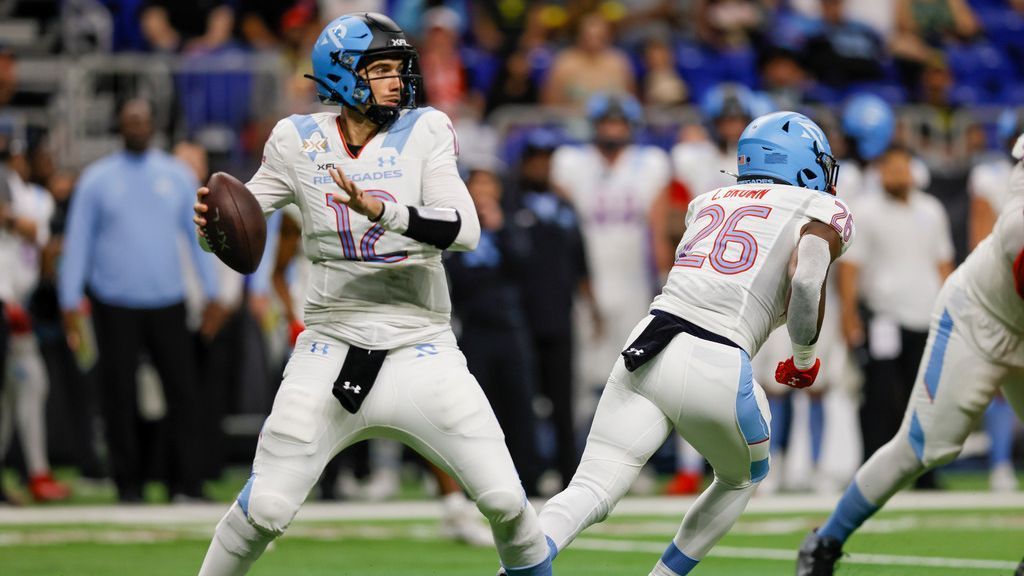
(753, 255)
(975, 347)
(380, 198)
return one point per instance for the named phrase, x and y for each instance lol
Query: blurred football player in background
(975, 348)
(755, 255)
(23, 402)
(377, 357)
(612, 182)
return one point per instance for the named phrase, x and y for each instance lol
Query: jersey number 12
(365, 250)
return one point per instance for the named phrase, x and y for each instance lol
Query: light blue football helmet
(603, 105)
(346, 45)
(1009, 125)
(728, 99)
(787, 148)
(870, 123)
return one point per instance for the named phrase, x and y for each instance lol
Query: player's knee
(939, 456)
(501, 505)
(238, 535)
(928, 452)
(271, 512)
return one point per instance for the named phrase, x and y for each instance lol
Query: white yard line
(431, 509)
(429, 532)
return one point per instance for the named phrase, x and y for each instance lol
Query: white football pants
(424, 397)
(955, 384)
(24, 402)
(703, 390)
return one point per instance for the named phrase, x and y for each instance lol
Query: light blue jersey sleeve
(79, 241)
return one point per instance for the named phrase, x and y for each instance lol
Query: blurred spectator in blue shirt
(126, 217)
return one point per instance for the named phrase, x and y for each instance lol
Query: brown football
(235, 228)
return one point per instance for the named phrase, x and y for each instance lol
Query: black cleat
(1020, 569)
(818, 555)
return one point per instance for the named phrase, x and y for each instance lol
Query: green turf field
(906, 542)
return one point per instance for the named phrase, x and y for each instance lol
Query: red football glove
(1018, 274)
(787, 373)
(18, 319)
(295, 327)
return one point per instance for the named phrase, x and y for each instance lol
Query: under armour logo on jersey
(382, 160)
(354, 389)
(322, 350)
(426, 350)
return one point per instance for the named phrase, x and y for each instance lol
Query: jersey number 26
(728, 234)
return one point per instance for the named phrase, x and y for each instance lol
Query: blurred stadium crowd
(585, 128)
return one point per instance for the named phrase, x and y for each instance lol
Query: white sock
(30, 406)
(711, 517)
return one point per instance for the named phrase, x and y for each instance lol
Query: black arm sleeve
(435, 226)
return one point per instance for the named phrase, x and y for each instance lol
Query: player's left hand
(787, 373)
(354, 197)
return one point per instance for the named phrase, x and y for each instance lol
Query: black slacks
(500, 360)
(121, 335)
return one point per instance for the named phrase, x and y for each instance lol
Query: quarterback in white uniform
(380, 198)
(975, 348)
(754, 256)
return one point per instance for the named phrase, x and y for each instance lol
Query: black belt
(661, 330)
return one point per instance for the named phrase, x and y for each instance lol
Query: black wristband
(435, 226)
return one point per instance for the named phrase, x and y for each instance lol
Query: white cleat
(384, 484)
(460, 521)
(1003, 478)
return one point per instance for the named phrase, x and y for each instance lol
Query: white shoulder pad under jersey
(369, 287)
(731, 274)
(988, 271)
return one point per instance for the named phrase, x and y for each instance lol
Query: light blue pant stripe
(933, 372)
(853, 509)
(676, 561)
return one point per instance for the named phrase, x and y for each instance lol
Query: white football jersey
(987, 277)
(699, 166)
(613, 203)
(370, 287)
(731, 274)
(988, 180)
(32, 202)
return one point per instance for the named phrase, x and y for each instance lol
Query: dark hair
(896, 149)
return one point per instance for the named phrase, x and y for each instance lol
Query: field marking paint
(431, 509)
(427, 532)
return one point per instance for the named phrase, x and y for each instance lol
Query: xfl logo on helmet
(398, 42)
(812, 132)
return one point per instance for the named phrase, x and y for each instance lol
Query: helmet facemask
(356, 62)
(829, 168)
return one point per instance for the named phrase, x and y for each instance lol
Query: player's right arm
(447, 219)
(271, 185)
